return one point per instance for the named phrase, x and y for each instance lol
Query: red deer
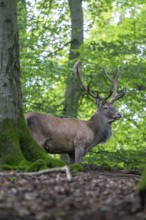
(73, 136)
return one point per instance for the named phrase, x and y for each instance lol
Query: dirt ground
(94, 195)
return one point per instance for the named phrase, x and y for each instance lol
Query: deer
(73, 136)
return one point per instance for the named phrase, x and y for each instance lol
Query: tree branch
(51, 170)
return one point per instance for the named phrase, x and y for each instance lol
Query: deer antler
(115, 95)
(97, 97)
(78, 73)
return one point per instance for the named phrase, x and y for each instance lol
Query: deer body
(73, 136)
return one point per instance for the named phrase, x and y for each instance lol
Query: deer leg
(79, 152)
(71, 158)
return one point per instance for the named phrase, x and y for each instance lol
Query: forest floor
(94, 195)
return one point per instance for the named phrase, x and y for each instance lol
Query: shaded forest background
(114, 36)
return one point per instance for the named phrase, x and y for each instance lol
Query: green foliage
(41, 55)
(122, 159)
(114, 37)
(142, 184)
(76, 167)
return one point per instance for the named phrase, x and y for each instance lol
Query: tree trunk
(17, 148)
(73, 90)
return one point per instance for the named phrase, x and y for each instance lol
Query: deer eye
(105, 107)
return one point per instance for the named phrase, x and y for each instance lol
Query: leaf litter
(94, 195)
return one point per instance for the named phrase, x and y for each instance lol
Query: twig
(61, 48)
(119, 175)
(51, 170)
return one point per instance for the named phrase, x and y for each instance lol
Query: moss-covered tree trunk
(17, 148)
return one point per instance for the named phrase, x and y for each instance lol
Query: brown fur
(72, 136)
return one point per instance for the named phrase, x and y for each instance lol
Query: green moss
(53, 162)
(10, 152)
(49, 162)
(18, 150)
(15, 167)
(34, 166)
(37, 165)
(76, 167)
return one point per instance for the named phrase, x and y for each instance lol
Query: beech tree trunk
(17, 148)
(73, 90)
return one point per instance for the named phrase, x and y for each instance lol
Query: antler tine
(86, 88)
(106, 74)
(115, 95)
(77, 72)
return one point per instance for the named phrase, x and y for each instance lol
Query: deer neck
(100, 126)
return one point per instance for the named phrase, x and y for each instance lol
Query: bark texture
(10, 94)
(73, 90)
(17, 148)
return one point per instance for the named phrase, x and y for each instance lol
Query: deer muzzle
(117, 116)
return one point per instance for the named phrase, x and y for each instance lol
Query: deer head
(104, 104)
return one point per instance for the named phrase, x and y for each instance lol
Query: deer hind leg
(79, 152)
(71, 157)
